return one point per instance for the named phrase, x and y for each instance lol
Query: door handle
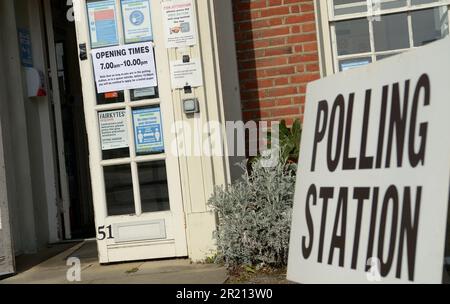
(83, 52)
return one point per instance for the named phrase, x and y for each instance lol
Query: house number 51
(104, 233)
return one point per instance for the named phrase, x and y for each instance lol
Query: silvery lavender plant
(255, 216)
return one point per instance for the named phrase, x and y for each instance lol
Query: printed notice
(124, 67)
(102, 23)
(186, 74)
(137, 21)
(148, 133)
(179, 23)
(354, 64)
(113, 129)
(26, 52)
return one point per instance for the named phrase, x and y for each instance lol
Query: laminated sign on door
(124, 67)
(180, 24)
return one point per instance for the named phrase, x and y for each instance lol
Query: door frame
(165, 101)
(58, 123)
(6, 241)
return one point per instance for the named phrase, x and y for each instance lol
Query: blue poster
(26, 52)
(137, 21)
(148, 132)
(103, 23)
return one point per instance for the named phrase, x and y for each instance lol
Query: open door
(136, 184)
(6, 250)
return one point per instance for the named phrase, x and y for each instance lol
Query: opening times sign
(372, 195)
(124, 67)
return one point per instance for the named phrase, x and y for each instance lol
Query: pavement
(171, 271)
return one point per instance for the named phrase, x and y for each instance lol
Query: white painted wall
(17, 160)
(219, 101)
(30, 157)
(6, 250)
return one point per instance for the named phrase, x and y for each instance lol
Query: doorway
(78, 221)
(137, 198)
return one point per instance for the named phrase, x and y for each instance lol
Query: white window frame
(326, 20)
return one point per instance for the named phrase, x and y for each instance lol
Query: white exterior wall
(6, 250)
(219, 101)
(28, 141)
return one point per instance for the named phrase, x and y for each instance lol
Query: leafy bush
(289, 143)
(255, 216)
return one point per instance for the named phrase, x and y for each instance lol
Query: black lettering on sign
(408, 231)
(360, 195)
(397, 122)
(390, 197)
(395, 224)
(325, 195)
(382, 126)
(365, 162)
(319, 134)
(333, 161)
(338, 240)
(349, 163)
(312, 195)
(419, 157)
(373, 222)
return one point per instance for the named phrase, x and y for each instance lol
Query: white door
(135, 182)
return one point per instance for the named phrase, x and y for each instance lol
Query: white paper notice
(186, 73)
(180, 25)
(124, 67)
(113, 129)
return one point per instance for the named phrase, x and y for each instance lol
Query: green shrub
(289, 143)
(255, 216)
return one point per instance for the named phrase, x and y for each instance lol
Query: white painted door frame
(6, 249)
(56, 100)
(175, 243)
(6, 242)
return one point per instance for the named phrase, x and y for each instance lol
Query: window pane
(154, 189)
(342, 7)
(349, 64)
(145, 93)
(353, 36)
(429, 25)
(415, 2)
(384, 56)
(388, 4)
(110, 97)
(391, 32)
(119, 190)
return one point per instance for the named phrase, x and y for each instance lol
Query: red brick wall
(276, 45)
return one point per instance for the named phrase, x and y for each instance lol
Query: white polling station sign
(126, 67)
(373, 182)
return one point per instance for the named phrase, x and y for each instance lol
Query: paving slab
(170, 271)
